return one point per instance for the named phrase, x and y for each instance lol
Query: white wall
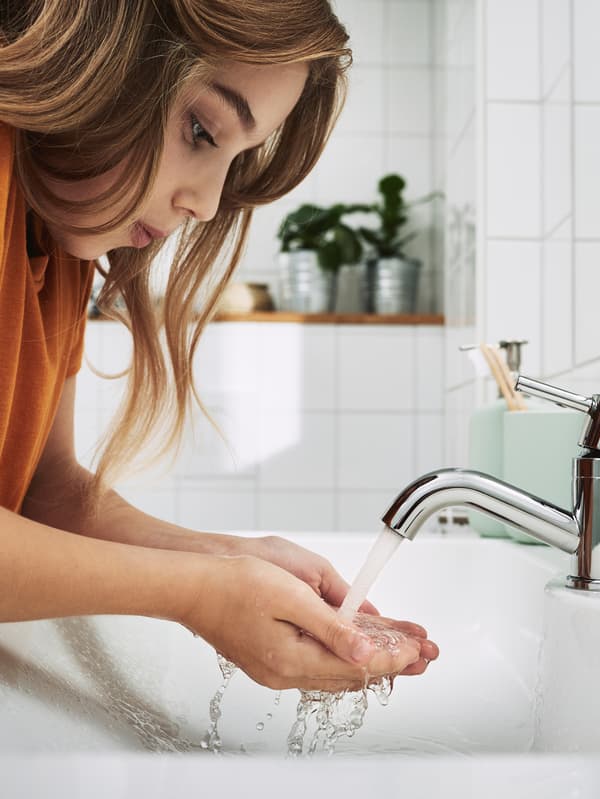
(455, 172)
(324, 423)
(541, 126)
(385, 127)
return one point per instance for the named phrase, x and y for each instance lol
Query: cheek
(89, 247)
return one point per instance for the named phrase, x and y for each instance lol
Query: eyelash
(204, 135)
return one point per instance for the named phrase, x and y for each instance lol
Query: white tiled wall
(540, 121)
(385, 126)
(454, 165)
(324, 424)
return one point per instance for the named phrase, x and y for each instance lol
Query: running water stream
(333, 715)
(382, 550)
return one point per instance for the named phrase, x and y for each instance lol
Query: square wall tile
(513, 297)
(376, 368)
(586, 24)
(587, 171)
(296, 511)
(160, 503)
(116, 347)
(375, 451)
(364, 108)
(556, 40)
(430, 442)
(460, 404)
(460, 102)
(587, 290)
(207, 507)
(227, 360)
(230, 451)
(458, 369)
(557, 166)
(361, 511)
(513, 170)
(297, 449)
(349, 169)
(297, 366)
(409, 156)
(429, 372)
(557, 307)
(512, 27)
(408, 32)
(408, 101)
(262, 247)
(365, 25)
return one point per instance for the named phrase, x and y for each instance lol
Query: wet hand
(314, 570)
(277, 629)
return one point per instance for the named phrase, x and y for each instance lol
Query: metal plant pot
(391, 285)
(304, 286)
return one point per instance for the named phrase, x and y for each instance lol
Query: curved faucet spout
(451, 487)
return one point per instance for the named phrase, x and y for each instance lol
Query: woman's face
(206, 130)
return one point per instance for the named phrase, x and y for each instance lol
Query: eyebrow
(236, 101)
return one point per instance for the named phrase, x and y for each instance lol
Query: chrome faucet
(576, 532)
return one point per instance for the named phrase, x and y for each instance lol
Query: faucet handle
(590, 437)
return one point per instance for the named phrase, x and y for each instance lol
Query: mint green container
(539, 447)
(486, 454)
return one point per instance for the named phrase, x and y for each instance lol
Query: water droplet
(260, 726)
(269, 716)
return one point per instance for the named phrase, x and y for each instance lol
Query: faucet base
(582, 583)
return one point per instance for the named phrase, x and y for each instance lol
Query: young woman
(122, 122)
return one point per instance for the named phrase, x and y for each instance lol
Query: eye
(199, 133)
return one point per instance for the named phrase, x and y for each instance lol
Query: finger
(334, 590)
(407, 627)
(415, 668)
(333, 587)
(345, 639)
(367, 607)
(315, 663)
(429, 650)
(340, 637)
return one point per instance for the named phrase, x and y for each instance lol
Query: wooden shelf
(322, 318)
(332, 318)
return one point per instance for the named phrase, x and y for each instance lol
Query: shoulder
(7, 183)
(7, 149)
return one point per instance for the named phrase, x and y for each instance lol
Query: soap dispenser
(486, 440)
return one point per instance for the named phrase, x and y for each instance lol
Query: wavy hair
(88, 85)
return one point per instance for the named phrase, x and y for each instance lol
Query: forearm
(48, 573)
(56, 499)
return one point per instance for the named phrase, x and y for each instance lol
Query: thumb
(339, 636)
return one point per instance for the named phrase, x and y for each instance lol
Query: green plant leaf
(330, 256)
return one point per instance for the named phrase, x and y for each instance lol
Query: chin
(85, 249)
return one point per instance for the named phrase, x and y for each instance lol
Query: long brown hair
(88, 84)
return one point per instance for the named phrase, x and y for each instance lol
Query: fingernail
(362, 650)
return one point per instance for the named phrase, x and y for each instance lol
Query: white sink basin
(121, 685)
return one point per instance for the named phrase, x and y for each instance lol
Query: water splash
(335, 715)
(212, 740)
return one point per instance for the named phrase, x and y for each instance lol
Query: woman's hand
(314, 570)
(277, 629)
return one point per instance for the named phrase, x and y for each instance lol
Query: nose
(199, 196)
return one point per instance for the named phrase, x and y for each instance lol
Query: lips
(154, 232)
(142, 234)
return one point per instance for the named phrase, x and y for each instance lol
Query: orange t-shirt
(43, 303)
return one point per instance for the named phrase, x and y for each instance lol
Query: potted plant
(392, 277)
(315, 243)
